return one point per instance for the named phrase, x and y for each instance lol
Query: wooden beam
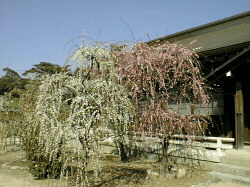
(220, 68)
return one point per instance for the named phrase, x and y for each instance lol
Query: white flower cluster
(84, 54)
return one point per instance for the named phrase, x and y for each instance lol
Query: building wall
(215, 107)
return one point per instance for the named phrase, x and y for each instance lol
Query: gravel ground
(14, 172)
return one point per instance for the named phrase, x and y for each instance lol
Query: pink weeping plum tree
(160, 75)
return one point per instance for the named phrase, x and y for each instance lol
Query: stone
(170, 175)
(15, 167)
(152, 173)
(181, 173)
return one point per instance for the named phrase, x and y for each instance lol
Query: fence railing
(6, 143)
(218, 143)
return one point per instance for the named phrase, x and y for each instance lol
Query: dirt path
(227, 184)
(7, 180)
(14, 172)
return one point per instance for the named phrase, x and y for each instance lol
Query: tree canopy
(10, 80)
(11, 74)
(45, 68)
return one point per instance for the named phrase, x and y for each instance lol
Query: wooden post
(239, 118)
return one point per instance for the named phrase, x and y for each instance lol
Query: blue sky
(34, 31)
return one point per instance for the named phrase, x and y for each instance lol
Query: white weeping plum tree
(75, 112)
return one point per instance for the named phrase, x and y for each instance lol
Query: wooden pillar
(239, 117)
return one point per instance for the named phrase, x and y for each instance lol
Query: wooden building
(224, 50)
